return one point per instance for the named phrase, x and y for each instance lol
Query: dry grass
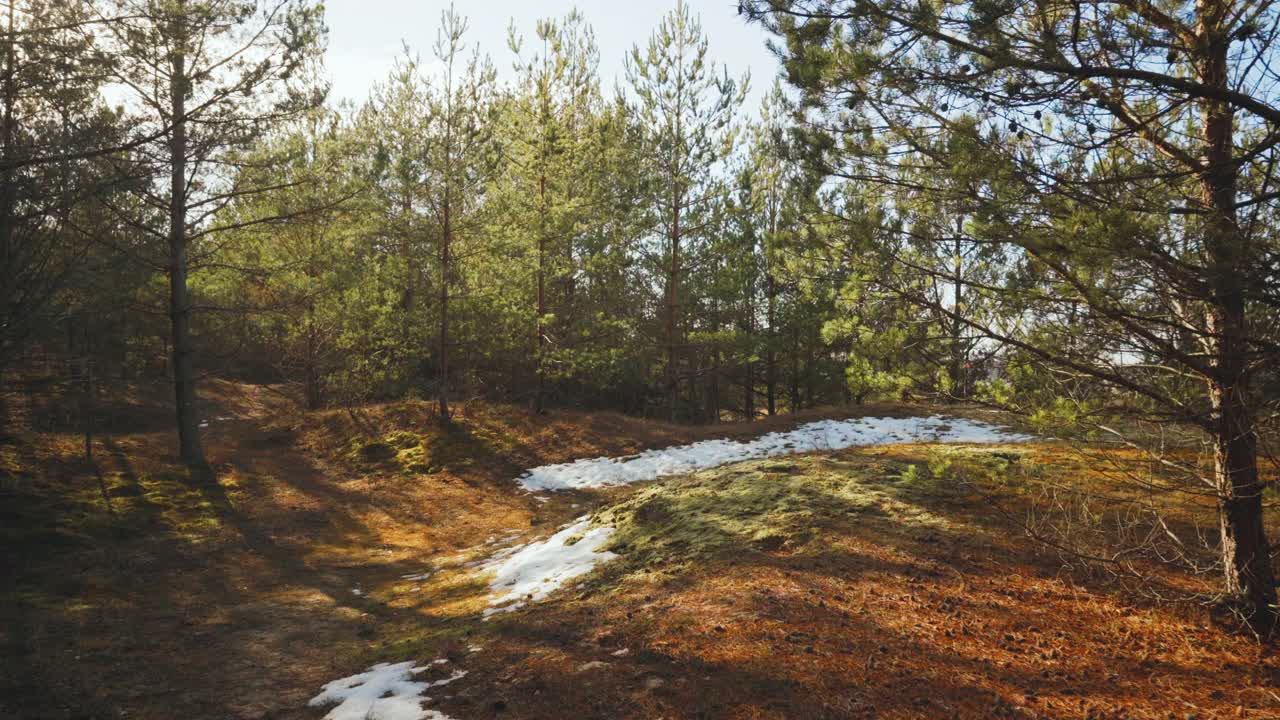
(818, 586)
(887, 594)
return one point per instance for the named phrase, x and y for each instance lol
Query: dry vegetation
(889, 582)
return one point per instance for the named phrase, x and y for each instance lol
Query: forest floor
(888, 581)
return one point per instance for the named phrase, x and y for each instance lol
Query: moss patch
(43, 514)
(452, 450)
(769, 506)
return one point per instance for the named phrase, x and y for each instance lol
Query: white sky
(366, 35)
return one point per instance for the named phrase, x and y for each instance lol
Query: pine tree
(286, 280)
(1087, 137)
(54, 133)
(546, 148)
(459, 162)
(394, 122)
(689, 111)
(774, 179)
(209, 78)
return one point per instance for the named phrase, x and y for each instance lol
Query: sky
(366, 35)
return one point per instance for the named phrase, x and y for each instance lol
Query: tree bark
(811, 370)
(184, 381)
(770, 354)
(749, 378)
(958, 379)
(409, 298)
(315, 399)
(672, 310)
(1246, 558)
(795, 368)
(540, 344)
(446, 271)
(713, 388)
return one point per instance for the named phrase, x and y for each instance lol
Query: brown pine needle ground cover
(876, 582)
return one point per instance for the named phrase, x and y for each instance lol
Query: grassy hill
(889, 582)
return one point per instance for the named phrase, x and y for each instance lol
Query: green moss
(414, 459)
(364, 451)
(497, 440)
(46, 514)
(794, 506)
(403, 451)
(402, 439)
(728, 509)
(911, 474)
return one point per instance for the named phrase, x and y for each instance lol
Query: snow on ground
(821, 435)
(385, 691)
(530, 572)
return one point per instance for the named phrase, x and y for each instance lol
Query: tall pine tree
(689, 111)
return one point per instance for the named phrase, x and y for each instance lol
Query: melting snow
(821, 435)
(385, 691)
(529, 573)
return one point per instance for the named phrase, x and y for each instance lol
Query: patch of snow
(529, 573)
(357, 591)
(386, 691)
(820, 435)
(418, 576)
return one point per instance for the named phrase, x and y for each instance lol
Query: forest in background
(1061, 208)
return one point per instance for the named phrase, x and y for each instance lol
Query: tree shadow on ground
(891, 598)
(187, 598)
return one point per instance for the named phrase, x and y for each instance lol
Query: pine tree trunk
(446, 272)
(184, 381)
(1246, 557)
(770, 353)
(795, 368)
(748, 369)
(672, 312)
(410, 297)
(312, 370)
(1245, 552)
(958, 379)
(540, 343)
(713, 389)
(811, 372)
